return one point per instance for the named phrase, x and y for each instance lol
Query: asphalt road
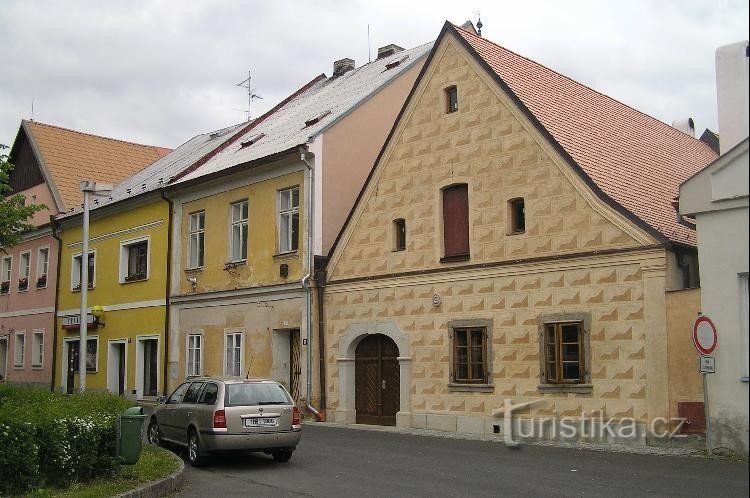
(348, 462)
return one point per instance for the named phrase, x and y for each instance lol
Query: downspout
(55, 236)
(320, 278)
(309, 265)
(166, 296)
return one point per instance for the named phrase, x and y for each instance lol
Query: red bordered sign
(704, 335)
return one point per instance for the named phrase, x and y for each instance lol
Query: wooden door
(377, 380)
(295, 367)
(72, 366)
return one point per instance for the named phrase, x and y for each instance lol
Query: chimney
(389, 50)
(685, 125)
(341, 66)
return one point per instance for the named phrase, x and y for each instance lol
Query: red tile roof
(72, 156)
(632, 159)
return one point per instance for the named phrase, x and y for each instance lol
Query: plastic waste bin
(130, 435)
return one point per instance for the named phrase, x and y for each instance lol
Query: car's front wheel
(282, 455)
(194, 449)
(154, 435)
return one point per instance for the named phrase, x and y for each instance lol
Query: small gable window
(451, 99)
(316, 119)
(517, 216)
(456, 223)
(399, 228)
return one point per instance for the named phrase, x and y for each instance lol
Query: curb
(162, 487)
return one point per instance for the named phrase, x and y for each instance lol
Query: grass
(154, 464)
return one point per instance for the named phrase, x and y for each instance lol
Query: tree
(14, 213)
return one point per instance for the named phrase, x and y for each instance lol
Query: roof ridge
(31, 121)
(652, 118)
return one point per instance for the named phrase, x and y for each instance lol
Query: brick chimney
(341, 66)
(388, 50)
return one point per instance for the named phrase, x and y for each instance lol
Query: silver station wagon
(209, 414)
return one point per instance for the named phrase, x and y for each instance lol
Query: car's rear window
(252, 394)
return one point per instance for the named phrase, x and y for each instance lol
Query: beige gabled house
(515, 243)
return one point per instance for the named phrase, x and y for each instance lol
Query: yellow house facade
(128, 273)
(493, 279)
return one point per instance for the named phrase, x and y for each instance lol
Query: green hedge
(49, 439)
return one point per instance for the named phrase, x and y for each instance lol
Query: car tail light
(295, 416)
(220, 419)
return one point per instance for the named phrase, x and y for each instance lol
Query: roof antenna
(246, 83)
(32, 108)
(479, 24)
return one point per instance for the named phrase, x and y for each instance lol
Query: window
(92, 350)
(19, 357)
(42, 267)
(191, 395)
(470, 355)
(209, 394)
(233, 356)
(239, 231)
(37, 348)
(563, 353)
(5, 277)
(451, 99)
(24, 270)
(178, 394)
(194, 352)
(76, 273)
(289, 220)
(456, 222)
(196, 234)
(134, 260)
(399, 227)
(517, 216)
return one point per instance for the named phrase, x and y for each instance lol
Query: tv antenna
(251, 95)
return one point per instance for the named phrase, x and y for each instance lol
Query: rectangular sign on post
(707, 365)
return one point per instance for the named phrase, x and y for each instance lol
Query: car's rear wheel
(154, 434)
(194, 449)
(282, 455)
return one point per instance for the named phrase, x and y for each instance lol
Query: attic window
(253, 139)
(316, 119)
(393, 64)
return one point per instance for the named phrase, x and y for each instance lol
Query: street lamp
(89, 189)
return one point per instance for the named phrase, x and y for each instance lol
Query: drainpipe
(309, 265)
(165, 380)
(56, 236)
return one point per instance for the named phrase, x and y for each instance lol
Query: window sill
(454, 258)
(36, 367)
(479, 388)
(285, 255)
(234, 264)
(745, 379)
(398, 250)
(197, 269)
(565, 388)
(78, 289)
(132, 280)
(521, 232)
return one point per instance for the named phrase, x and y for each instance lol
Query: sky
(162, 71)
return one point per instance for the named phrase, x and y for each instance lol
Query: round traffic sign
(704, 335)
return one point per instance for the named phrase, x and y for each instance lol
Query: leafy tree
(14, 213)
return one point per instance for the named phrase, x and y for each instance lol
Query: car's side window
(178, 393)
(208, 396)
(191, 396)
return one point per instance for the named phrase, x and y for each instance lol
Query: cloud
(159, 72)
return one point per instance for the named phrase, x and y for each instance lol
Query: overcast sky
(159, 72)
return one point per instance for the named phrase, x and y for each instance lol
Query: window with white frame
(75, 275)
(19, 356)
(42, 267)
(134, 260)
(194, 354)
(239, 231)
(37, 348)
(288, 220)
(5, 276)
(196, 235)
(24, 271)
(233, 354)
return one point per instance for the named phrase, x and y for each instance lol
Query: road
(333, 461)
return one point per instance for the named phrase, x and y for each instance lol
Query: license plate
(262, 422)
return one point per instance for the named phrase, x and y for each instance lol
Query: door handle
(383, 384)
(190, 414)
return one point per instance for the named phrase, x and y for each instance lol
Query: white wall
(732, 94)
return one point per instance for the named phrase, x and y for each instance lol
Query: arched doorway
(377, 380)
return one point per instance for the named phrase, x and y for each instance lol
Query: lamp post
(89, 189)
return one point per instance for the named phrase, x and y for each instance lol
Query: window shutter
(456, 220)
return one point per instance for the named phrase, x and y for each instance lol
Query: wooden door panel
(377, 381)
